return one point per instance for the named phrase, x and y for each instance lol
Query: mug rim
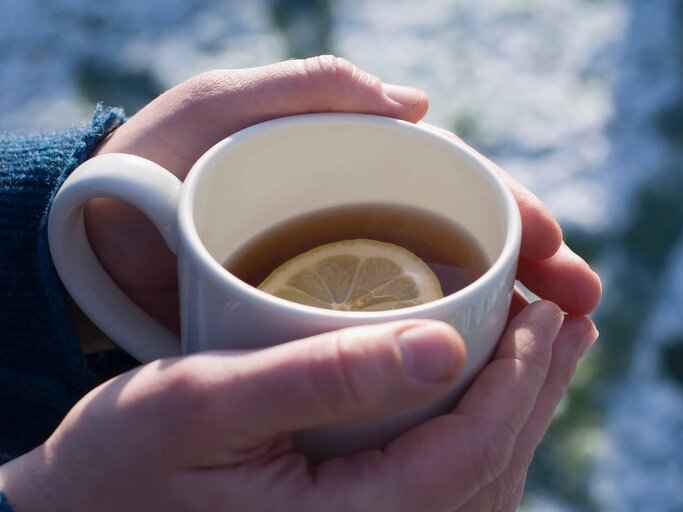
(192, 241)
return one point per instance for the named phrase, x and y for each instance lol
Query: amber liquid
(449, 250)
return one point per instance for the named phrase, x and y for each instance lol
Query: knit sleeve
(42, 370)
(4, 504)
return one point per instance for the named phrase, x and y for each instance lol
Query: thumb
(203, 110)
(235, 99)
(349, 375)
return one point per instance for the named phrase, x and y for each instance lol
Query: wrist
(27, 486)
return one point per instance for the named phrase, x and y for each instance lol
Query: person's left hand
(178, 127)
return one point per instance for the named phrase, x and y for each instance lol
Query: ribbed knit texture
(42, 370)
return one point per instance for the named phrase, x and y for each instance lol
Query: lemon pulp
(355, 275)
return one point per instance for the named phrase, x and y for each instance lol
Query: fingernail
(429, 353)
(407, 96)
(588, 341)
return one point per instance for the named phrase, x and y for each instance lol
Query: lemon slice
(355, 275)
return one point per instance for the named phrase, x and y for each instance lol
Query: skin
(212, 431)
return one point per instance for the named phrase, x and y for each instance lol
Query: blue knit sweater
(42, 370)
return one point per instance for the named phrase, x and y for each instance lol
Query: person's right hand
(212, 432)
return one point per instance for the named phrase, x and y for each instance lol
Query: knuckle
(205, 84)
(331, 73)
(327, 71)
(186, 384)
(493, 449)
(505, 487)
(366, 79)
(210, 84)
(505, 437)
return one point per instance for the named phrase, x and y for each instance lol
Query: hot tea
(449, 250)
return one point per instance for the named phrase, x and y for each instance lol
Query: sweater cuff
(4, 504)
(42, 370)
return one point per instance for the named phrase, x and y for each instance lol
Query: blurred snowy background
(581, 100)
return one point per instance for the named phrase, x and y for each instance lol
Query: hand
(212, 431)
(179, 126)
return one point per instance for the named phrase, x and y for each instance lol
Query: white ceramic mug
(266, 174)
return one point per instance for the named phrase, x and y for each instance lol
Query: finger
(353, 374)
(565, 279)
(547, 266)
(472, 446)
(512, 504)
(213, 105)
(541, 234)
(486, 499)
(506, 389)
(318, 84)
(575, 334)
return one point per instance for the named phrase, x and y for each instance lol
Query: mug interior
(281, 169)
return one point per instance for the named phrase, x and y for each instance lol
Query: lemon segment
(355, 275)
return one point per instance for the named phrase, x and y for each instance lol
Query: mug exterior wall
(218, 311)
(219, 315)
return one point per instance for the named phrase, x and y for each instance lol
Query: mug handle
(148, 187)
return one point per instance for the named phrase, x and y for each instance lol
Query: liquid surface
(452, 253)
